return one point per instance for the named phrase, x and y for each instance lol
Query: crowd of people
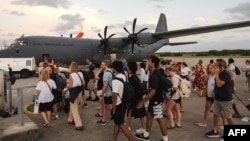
(215, 82)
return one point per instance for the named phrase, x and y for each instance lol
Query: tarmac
(60, 130)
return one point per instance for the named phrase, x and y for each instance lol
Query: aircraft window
(28, 62)
(22, 41)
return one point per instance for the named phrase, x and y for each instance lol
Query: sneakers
(102, 122)
(141, 137)
(89, 98)
(140, 131)
(85, 105)
(212, 134)
(55, 117)
(222, 138)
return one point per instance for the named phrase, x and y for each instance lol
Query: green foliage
(236, 52)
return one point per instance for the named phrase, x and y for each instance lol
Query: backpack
(86, 77)
(4, 114)
(60, 81)
(184, 87)
(237, 70)
(128, 91)
(165, 85)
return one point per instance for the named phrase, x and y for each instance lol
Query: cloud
(206, 20)
(70, 22)
(158, 6)
(17, 13)
(241, 11)
(48, 3)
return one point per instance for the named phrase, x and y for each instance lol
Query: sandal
(80, 128)
(98, 115)
(46, 124)
(71, 122)
(178, 126)
(170, 127)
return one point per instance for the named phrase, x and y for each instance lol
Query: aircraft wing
(200, 30)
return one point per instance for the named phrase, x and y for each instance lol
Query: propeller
(104, 40)
(133, 36)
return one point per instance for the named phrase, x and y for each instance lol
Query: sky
(63, 17)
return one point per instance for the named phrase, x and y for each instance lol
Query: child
(192, 76)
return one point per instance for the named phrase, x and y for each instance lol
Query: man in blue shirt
(106, 90)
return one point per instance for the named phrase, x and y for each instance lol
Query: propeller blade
(104, 41)
(105, 32)
(100, 45)
(110, 36)
(126, 30)
(100, 35)
(105, 49)
(134, 25)
(141, 30)
(132, 48)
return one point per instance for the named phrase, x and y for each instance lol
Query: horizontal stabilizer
(181, 43)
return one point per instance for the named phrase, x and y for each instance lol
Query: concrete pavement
(61, 130)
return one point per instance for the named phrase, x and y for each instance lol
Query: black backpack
(237, 70)
(128, 92)
(165, 85)
(86, 77)
(4, 114)
(60, 81)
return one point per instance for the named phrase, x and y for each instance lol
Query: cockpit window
(22, 41)
(19, 41)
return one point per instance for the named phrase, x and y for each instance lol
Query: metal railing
(8, 90)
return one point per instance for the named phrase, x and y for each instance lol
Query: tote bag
(36, 107)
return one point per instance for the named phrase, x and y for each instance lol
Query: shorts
(57, 96)
(210, 99)
(91, 85)
(225, 106)
(46, 106)
(139, 113)
(108, 100)
(118, 117)
(177, 100)
(155, 108)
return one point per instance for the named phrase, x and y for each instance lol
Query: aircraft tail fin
(162, 24)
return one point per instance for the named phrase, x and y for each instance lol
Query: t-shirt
(144, 75)
(154, 80)
(210, 85)
(91, 71)
(108, 76)
(231, 67)
(185, 71)
(117, 87)
(224, 92)
(76, 80)
(46, 91)
(175, 79)
(100, 81)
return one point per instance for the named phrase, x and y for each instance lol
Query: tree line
(236, 52)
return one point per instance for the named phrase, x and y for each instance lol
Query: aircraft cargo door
(45, 57)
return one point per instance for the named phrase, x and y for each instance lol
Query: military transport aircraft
(136, 46)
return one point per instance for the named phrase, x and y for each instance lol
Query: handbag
(204, 92)
(36, 107)
(83, 87)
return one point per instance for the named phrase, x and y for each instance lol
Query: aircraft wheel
(25, 73)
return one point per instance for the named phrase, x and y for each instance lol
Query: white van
(24, 66)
